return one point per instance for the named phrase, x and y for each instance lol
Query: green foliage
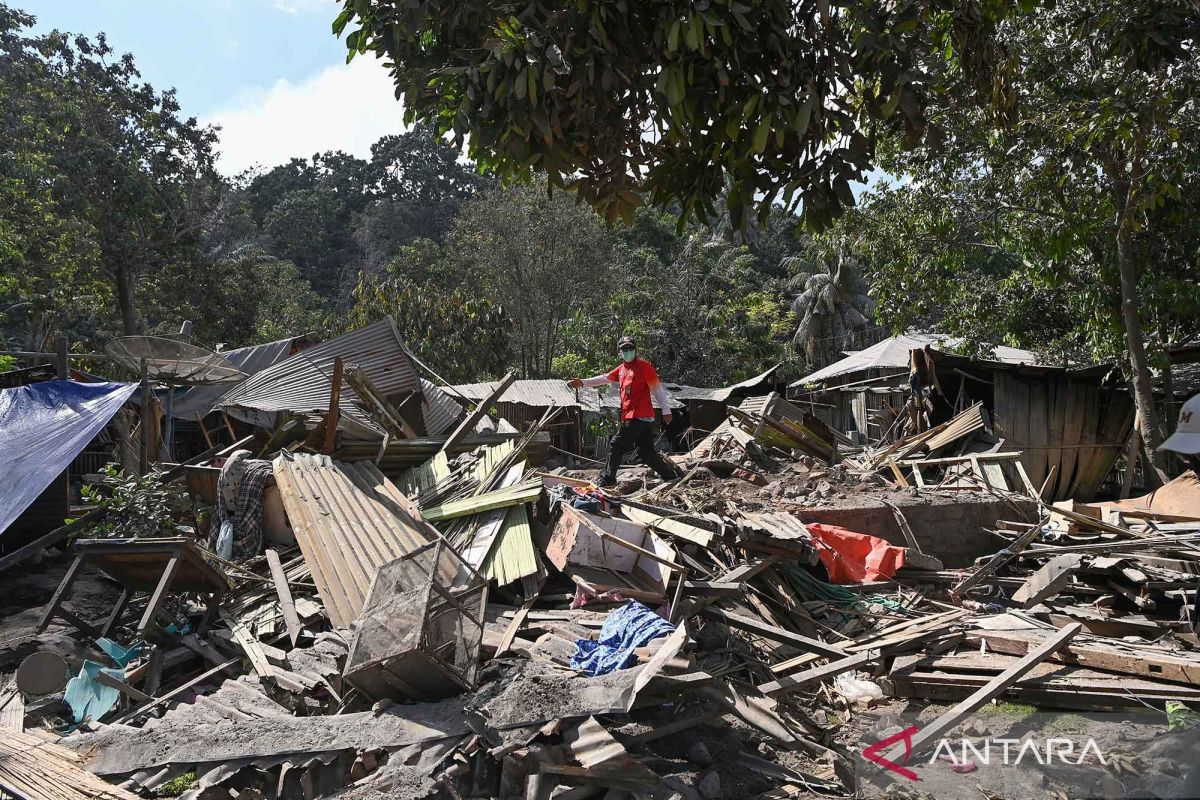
(137, 505)
(121, 183)
(762, 100)
(831, 304)
(461, 337)
(540, 257)
(1008, 237)
(334, 215)
(177, 785)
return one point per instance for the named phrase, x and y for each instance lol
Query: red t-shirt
(637, 379)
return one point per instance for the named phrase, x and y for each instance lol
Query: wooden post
(200, 421)
(62, 367)
(144, 463)
(286, 605)
(991, 689)
(335, 412)
(468, 424)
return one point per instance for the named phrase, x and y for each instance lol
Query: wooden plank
(249, 644)
(12, 708)
(177, 691)
(518, 620)
(160, 592)
(104, 679)
(774, 633)
(1047, 581)
(335, 410)
(286, 604)
(31, 767)
(992, 689)
(814, 674)
(1142, 662)
(471, 420)
(901, 481)
(900, 633)
(902, 523)
(1039, 436)
(1072, 431)
(206, 651)
(1057, 396)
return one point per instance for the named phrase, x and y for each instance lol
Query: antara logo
(1005, 752)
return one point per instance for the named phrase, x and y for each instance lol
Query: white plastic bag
(225, 540)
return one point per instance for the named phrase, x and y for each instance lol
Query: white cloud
(303, 6)
(345, 107)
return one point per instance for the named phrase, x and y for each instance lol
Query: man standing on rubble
(639, 383)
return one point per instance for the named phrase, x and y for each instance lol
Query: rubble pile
(475, 625)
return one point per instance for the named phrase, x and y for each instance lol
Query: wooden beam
(992, 689)
(1047, 581)
(469, 422)
(286, 604)
(775, 634)
(801, 679)
(335, 411)
(104, 679)
(137, 712)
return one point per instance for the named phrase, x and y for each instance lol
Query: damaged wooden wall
(1072, 428)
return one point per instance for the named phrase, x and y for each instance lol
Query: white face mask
(628, 355)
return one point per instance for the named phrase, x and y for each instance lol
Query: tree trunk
(1125, 192)
(125, 300)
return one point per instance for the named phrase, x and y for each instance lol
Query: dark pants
(635, 433)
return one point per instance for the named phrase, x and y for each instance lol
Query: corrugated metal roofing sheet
(530, 392)
(301, 383)
(250, 360)
(349, 520)
(541, 393)
(893, 353)
(440, 411)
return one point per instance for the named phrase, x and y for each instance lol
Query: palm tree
(830, 300)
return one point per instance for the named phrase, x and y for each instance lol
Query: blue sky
(270, 72)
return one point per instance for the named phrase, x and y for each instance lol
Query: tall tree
(1078, 193)
(833, 309)
(116, 154)
(540, 257)
(762, 100)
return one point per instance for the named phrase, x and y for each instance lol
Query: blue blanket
(629, 627)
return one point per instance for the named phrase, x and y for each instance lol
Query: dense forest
(1059, 220)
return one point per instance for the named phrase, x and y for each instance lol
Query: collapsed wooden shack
(852, 395)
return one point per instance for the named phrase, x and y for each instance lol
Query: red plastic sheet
(851, 557)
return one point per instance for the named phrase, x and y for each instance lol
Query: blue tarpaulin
(629, 627)
(43, 427)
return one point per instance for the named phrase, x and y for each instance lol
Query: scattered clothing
(240, 490)
(585, 595)
(591, 502)
(629, 627)
(851, 557)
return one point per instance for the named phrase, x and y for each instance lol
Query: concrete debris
(414, 636)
